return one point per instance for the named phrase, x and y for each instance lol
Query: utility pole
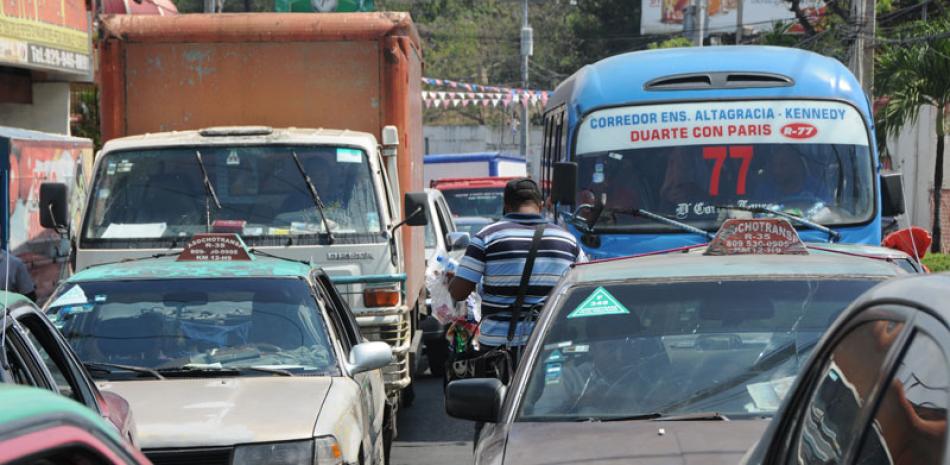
(739, 26)
(864, 14)
(694, 22)
(527, 48)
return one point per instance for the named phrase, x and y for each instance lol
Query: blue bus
(653, 150)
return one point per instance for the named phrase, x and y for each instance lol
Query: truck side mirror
(53, 209)
(417, 211)
(564, 183)
(892, 194)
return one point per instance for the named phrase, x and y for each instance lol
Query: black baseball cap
(521, 190)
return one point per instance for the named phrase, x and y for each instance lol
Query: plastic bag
(439, 272)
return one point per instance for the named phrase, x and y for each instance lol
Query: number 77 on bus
(653, 150)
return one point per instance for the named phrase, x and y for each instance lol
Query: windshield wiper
(696, 416)
(314, 195)
(105, 367)
(274, 371)
(213, 369)
(662, 219)
(210, 193)
(832, 234)
(642, 416)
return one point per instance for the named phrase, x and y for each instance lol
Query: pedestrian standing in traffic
(14, 276)
(496, 259)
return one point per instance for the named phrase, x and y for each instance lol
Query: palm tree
(912, 71)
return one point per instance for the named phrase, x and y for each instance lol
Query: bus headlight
(319, 451)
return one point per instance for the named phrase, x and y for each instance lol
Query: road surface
(427, 436)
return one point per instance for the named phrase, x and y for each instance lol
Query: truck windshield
(485, 202)
(684, 160)
(157, 195)
(630, 349)
(176, 324)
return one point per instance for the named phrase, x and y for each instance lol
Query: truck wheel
(437, 353)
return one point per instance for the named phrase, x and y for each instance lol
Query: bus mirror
(564, 183)
(53, 211)
(892, 194)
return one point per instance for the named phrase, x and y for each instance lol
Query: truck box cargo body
(355, 72)
(27, 160)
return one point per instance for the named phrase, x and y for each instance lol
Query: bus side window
(547, 153)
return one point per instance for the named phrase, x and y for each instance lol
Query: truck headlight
(320, 451)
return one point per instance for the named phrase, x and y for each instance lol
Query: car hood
(181, 413)
(632, 442)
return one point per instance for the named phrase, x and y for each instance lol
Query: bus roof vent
(757, 80)
(680, 82)
(724, 80)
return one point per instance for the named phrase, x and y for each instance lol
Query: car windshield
(157, 196)
(168, 324)
(471, 225)
(486, 202)
(683, 160)
(732, 347)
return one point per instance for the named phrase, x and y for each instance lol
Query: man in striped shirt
(495, 260)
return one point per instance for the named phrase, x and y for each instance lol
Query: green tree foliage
(671, 43)
(912, 71)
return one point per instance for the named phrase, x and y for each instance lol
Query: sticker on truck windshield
(348, 156)
(599, 303)
(705, 123)
(74, 296)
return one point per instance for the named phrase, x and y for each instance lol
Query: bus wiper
(105, 367)
(662, 219)
(210, 194)
(833, 235)
(315, 196)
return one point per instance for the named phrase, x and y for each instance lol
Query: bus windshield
(683, 161)
(159, 195)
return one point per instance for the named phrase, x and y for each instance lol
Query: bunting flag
(466, 94)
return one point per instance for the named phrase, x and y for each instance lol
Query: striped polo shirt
(495, 260)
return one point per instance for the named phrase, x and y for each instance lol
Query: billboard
(323, 6)
(666, 16)
(43, 35)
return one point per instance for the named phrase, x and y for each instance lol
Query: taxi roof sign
(215, 247)
(760, 236)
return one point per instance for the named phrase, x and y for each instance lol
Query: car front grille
(192, 456)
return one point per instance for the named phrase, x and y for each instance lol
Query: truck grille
(398, 336)
(194, 456)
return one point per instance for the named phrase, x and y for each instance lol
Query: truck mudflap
(392, 325)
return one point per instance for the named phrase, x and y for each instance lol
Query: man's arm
(460, 288)
(469, 271)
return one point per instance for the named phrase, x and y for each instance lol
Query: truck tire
(437, 353)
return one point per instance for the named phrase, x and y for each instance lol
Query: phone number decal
(59, 59)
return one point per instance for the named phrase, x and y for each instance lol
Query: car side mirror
(416, 209)
(457, 240)
(53, 206)
(369, 356)
(892, 194)
(475, 399)
(564, 183)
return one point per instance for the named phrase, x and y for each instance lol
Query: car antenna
(210, 194)
(4, 362)
(315, 196)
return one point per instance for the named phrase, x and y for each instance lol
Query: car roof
(170, 268)
(471, 183)
(927, 290)
(22, 403)
(691, 266)
(9, 299)
(621, 79)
